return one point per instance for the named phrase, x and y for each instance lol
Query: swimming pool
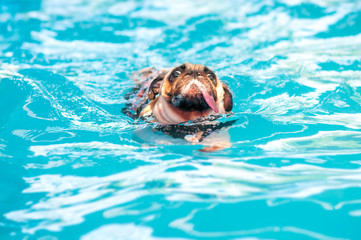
(74, 167)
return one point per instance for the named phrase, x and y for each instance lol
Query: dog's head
(192, 87)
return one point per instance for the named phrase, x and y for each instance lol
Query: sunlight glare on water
(75, 167)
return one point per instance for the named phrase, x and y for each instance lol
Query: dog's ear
(155, 86)
(227, 98)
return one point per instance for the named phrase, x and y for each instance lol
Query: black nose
(189, 103)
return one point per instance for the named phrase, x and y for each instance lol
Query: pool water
(74, 167)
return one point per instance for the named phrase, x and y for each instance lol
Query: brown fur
(177, 96)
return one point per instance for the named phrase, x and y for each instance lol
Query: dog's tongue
(210, 101)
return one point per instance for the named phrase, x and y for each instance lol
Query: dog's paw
(212, 148)
(195, 138)
(216, 146)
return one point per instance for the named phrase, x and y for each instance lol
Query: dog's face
(191, 87)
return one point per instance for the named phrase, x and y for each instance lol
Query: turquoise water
(74, 167)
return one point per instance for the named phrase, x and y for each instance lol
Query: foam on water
(73, 166)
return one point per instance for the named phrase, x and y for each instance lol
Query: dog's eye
(211, 77)
(174, 75)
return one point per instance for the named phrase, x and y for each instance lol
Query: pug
(185, 93)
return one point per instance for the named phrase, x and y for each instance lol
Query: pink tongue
(210, 101)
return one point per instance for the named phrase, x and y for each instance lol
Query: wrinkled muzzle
(195, 96)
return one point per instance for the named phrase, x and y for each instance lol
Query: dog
(185, 93)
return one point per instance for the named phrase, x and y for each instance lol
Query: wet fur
(175, 98)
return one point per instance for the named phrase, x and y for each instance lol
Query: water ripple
(75, 166)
